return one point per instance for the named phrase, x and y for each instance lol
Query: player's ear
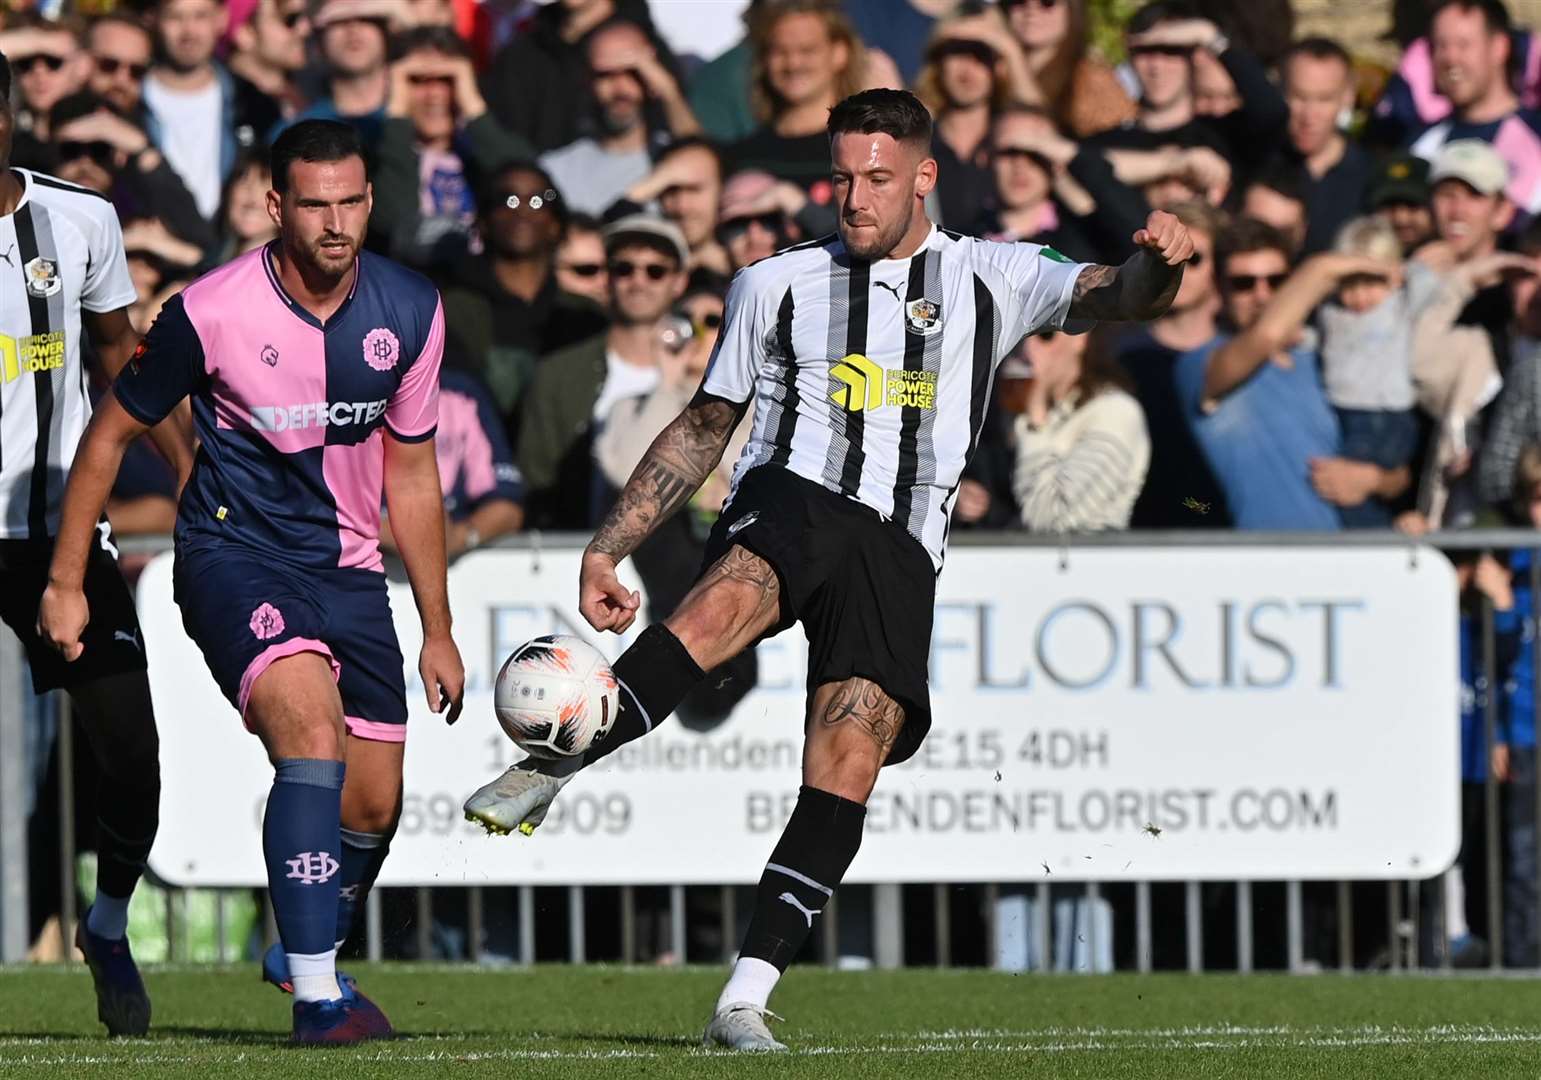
(275, 203)
(925, 176)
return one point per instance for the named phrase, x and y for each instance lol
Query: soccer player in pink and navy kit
(313, 369)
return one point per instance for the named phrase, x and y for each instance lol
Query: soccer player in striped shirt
(313, 368)
(869, 356)
(62, 270)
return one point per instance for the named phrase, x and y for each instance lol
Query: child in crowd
(1367, 335)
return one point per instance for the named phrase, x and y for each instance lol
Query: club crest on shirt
(381, 349)
(42, 277)
(269, 356)
(923, 317)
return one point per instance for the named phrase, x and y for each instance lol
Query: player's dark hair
(5, 82)
(312, 141)
(1494, 12)
(1246, 235)
(895, 113)
(1319, 48)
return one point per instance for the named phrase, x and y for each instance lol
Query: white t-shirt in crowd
(622, 380)
(190, 138)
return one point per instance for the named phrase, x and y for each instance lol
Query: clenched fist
(1166, 238)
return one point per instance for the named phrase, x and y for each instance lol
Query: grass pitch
(609, 1022)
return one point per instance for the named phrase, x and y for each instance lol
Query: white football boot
(741, 1026)
(518, 800)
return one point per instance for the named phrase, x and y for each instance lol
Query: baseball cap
(385, 11)
(655, 231)
(1474, 163)
(1401, 178)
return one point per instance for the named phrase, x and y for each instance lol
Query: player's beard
(332, 262)
(873, 243)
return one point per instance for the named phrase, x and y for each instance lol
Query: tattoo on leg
(863, 703)
(747, 568)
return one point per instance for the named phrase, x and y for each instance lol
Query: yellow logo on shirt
(865, 386)
(30, 355)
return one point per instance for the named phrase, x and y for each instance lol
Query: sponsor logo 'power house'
(865, 386)
(30, 355)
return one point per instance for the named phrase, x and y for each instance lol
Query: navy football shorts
(245, 612)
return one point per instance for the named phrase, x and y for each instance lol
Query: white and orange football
(555, 696)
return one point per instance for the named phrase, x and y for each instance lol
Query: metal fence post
(13, 803)
(677, 923)
(577, 944)
(888, 926)
(1345, 926)
(424, 923)
(1043, 928)
(1142, 950)
(1394, 922)
(1294, 928)
(1244, 926)
(527, 924)
(729, 923)
(1193, 917)
(374, 934)
(628, 926)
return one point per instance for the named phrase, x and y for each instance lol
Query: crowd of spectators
(1356, 343)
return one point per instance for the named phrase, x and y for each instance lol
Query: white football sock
(314, 976)
(108, 916)
(752, 981)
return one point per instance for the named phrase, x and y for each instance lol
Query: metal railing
(1407, 903)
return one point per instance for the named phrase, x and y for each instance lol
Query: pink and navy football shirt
(292, 413)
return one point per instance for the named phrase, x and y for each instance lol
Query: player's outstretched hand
(62, 618)
(603, 600)
(444, 676)
(1166, 238)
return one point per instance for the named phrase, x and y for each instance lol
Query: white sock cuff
(752, 981)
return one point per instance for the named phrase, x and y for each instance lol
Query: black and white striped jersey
(872, 378)
(61, 251)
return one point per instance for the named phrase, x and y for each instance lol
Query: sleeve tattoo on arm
(673, 470)
(1142, 288)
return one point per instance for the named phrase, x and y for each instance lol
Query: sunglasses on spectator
(535, 201)
(732, 230)
(1249, 282)
(1181, 52)
(424, 80)
(583, 270)
(292, 19)
(98, 151)
(23, 65)
(1006, 153)
(111, 65)
(1044, 5)
(975, 50)
(710, 321)
(625, 268)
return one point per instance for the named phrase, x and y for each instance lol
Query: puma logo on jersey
(808, 912)
(7, 254)
(891, 288)
(132, 639)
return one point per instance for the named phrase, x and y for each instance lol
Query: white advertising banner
(1100, 714)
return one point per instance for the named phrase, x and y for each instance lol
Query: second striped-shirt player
(869, 357)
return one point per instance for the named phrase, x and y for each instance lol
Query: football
(555, 695)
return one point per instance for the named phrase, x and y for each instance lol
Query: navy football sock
(301, 843)
(362, 856)
(654, 674)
